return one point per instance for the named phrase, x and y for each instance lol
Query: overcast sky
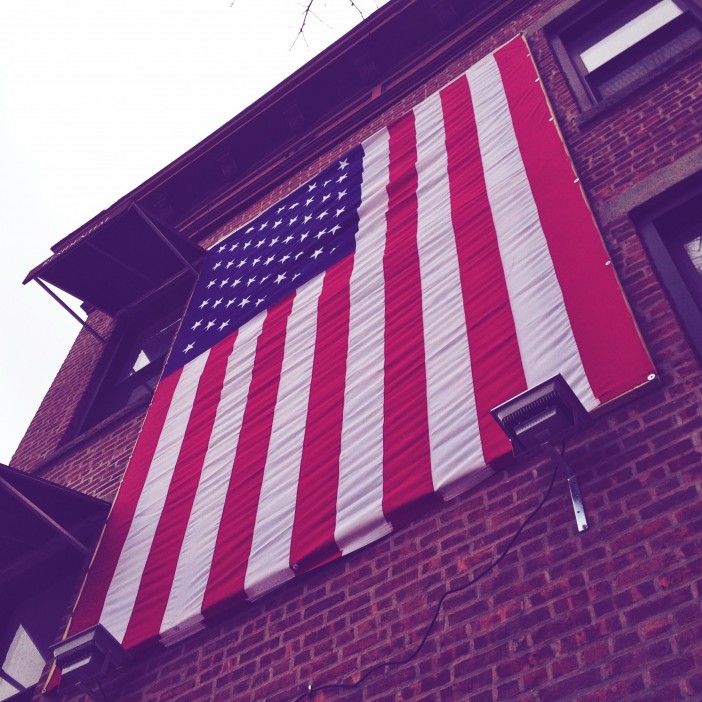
(95, 97)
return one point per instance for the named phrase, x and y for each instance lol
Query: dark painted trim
(655, 185)
(659, 238)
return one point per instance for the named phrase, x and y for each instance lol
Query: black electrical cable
(350, 686)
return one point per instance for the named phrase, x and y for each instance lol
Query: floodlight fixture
(88, 656)
(543, 416)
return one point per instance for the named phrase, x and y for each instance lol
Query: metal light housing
(546, 413)
(88, 656)
(539, 418)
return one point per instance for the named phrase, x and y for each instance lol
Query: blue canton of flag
(265, 260)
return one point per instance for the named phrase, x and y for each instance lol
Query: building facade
(609, 613)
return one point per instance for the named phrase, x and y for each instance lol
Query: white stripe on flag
(195, 558)
(545, 337)
(359, 516)
(269, 562)
(124, 586)
(453, 420)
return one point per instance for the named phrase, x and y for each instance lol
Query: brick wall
(56, 412)
(610, 614)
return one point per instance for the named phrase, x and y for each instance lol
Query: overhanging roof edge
(276, 94)
(16, 475)
(356, 38)
(154, 253)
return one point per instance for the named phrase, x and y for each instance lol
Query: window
(21, 666)
(136, 366)
(29, 622)
(672, 233)
(608, 49)
(136, 355)
(39, 571)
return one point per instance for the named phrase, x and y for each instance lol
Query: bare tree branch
(307, 11)
(301, 30)
(358, 9)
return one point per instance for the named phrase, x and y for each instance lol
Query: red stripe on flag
(102, 569)
(406, 453)
(492, 338)
(160, 567)
(315, 514)
(225, 584)
(599, 315)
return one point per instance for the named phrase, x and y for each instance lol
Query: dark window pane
(693, 249)
(23, 664)
(150, 346)
(30, 615)
(672, 232)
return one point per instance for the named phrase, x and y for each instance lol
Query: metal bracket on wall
(82, 322)
(164, 239)
(575, 495)
(44, 517)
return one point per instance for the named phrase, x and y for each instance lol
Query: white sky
(95, 97)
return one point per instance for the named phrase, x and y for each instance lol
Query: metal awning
(119, 259)
(41, 524)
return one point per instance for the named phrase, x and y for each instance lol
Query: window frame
(586, 18)
(42, 570)
(22, 692)
(118, 387)
(657, 224)
(135, 324)
(38, 608)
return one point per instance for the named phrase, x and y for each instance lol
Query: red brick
(570, 688)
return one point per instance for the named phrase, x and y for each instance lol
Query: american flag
(335, 370)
